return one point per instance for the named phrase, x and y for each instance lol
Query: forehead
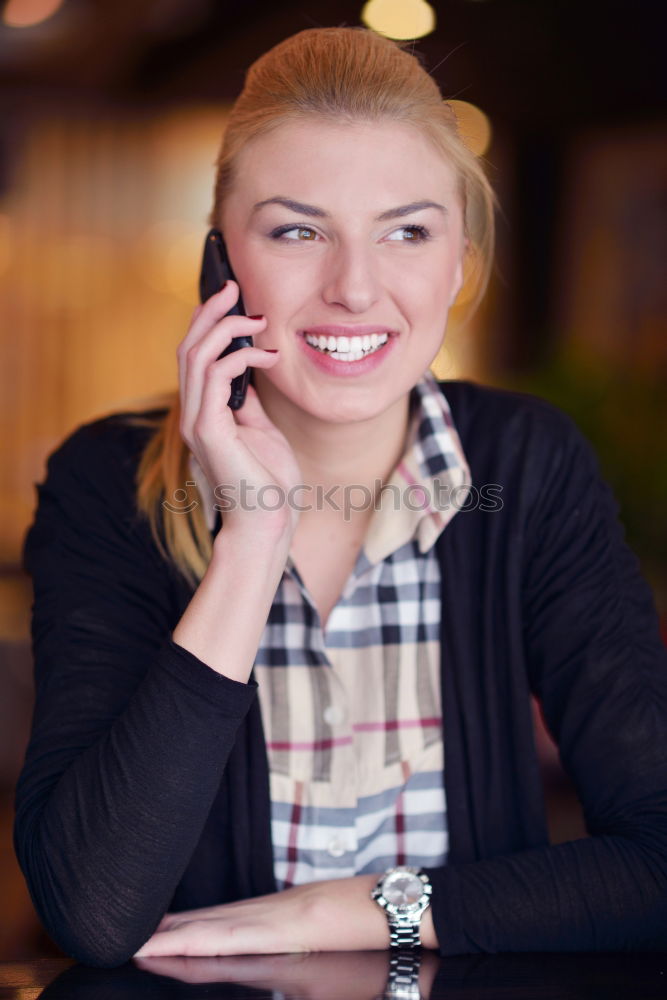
(316, 159)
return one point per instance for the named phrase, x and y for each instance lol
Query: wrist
(264, 545)
(257, 533)
(427, 930)
(403, 893)
(224, 621)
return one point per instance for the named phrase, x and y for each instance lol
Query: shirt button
(336, 847)
(333, 715)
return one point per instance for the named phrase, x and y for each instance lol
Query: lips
(358, 349)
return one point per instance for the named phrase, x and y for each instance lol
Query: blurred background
(111, 113)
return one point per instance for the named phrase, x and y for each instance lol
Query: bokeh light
(26, 13)
(474, 126)
(399, 19)
(168, 257)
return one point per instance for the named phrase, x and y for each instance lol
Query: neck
(340, 454)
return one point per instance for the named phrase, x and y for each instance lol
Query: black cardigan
(145, 786)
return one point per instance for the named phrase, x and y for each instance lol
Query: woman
(236, 731)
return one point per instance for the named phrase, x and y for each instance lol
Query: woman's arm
(132, 727)
(131, 730)
(599, 668)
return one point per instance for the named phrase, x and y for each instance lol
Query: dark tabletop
(348, 976)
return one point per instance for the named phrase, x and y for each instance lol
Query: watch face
(402, 888)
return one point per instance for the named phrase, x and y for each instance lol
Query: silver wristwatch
(404, 894)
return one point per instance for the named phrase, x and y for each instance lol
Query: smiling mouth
(347, 348)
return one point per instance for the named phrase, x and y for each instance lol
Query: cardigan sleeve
(131, 732)
(599, 669)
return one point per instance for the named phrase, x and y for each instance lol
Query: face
(345, 231)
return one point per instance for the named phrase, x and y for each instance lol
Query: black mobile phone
(215, 271)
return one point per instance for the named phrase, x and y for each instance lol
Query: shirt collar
(430, 483)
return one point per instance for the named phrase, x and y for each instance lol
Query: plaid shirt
(352, 714)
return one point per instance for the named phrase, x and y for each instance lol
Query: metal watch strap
(404, 935)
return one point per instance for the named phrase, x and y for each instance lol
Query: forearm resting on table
(223, 623)
(334, 915)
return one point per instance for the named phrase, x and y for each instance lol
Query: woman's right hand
(233, 446)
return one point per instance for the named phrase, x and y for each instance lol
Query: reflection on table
(347, 976)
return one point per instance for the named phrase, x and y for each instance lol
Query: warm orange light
(26, 13)
(168, 257)
(474, 126)
(399, 19)
(5, 243)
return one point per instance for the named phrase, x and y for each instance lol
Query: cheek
(276, 287)
(432, 273)
(443, 286)
(429, 296)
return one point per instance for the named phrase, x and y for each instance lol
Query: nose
(350, 278)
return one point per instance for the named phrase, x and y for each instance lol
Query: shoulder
(475, 405)
(503, 425)
(108, 446)
(90, 476)
(89, 489)
(527, 446)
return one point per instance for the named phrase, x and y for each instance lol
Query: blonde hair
(346, 74)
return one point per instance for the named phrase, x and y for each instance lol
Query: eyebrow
(319, 213)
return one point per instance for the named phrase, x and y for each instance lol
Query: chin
(340, 410)
(336, 404)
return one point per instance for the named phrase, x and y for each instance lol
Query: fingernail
(256, 317)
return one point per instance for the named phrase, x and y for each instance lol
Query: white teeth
(347, 355)
(347, 348)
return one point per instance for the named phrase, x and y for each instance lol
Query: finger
(194, 356)
(224, 370)
(227, 326)
(210, 314)
(215, 427)
(206, 315)
(195, 938)
(193, 366)
(215, 307)
(178, 916)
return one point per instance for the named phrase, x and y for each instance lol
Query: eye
(418, 234)
(281, 234)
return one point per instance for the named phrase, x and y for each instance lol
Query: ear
(458, 281)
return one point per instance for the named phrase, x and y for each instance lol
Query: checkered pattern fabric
(352, 714)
